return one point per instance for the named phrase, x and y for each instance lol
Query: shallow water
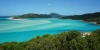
(24, 30)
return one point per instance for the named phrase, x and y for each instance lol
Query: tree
(93, 41)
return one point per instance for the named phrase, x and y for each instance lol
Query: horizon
(52, 12)
(63, 7)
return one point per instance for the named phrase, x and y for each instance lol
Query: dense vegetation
(71, 40)
(32, 15)
(90, 17)
(93, 17)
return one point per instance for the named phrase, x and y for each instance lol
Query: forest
(71, 40)
(90, 17)
(31, 15)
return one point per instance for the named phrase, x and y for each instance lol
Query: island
(33, 15)
(89, 17)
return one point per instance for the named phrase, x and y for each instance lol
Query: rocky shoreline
(95, 23)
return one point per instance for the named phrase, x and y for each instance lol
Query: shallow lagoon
(25, 29)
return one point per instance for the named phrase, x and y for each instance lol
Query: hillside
(71, 40)
(92, 17)
(55, 15)
(32, 15)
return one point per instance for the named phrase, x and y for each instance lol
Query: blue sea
(25, 29)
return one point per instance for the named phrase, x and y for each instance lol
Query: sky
(63, 7)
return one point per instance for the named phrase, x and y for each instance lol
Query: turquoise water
(25, 29)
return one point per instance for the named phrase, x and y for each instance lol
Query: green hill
(32, 15)
(71, 40)
(93, 17)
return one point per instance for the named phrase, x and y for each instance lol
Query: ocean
(21, 30)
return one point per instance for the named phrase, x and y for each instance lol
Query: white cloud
(49, 4)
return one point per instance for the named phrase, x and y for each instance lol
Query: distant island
(89, 17)
(33, 15)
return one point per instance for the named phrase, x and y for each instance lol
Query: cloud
(49, 4)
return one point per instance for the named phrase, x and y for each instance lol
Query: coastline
(93, 22)
(11, 18)
(85, 33)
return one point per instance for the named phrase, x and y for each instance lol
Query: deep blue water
(25, 29)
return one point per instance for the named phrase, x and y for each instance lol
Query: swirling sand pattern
(23, 30)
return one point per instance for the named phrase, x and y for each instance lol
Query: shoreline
(85, 33)
(93, 22)
(11, 18)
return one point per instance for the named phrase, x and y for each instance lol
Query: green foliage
(32, 15)
(93, 42)
(71, 40)
(46, 35)
(91, 17)
(97, 32)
